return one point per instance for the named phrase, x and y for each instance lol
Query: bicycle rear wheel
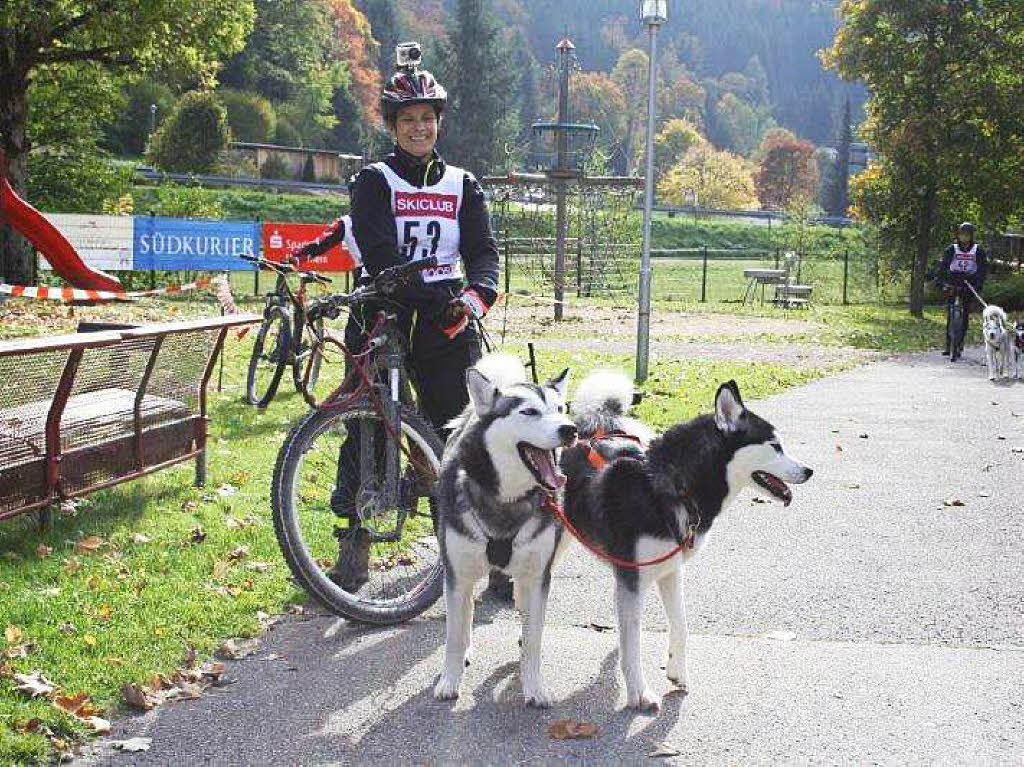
(404, 576)
(307, 363)
(269, 357)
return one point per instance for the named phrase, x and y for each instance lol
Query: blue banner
(177, 244)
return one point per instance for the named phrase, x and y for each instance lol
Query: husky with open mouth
(634, 502)
(499, 470)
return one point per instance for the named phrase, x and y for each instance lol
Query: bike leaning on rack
(286, 337)
(364, 463)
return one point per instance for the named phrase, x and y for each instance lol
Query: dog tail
(604, 392)
(602, 401)
(502, 369)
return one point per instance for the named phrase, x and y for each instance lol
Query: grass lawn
(179, 566)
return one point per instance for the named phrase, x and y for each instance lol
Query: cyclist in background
(963, 262)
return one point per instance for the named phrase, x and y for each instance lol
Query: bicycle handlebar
(383, 285)
(286, 268)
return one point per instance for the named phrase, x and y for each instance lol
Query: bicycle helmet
(407, 88)
(966, 226)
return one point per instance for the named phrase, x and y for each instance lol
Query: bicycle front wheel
(269, 357)
(329, 487)
(956, 333)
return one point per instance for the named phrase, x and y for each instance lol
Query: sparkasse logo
(425, 204)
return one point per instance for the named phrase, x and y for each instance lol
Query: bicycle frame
(378, 380)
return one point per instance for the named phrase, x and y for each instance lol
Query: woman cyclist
(963, 262)
(409, 206)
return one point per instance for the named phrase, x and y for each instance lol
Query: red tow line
(555, 508)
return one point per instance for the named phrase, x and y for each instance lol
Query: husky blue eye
(530, 411)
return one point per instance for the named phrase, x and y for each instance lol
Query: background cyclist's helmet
(967, 227)
(407, 88)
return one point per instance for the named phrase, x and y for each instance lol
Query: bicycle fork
(371, 455)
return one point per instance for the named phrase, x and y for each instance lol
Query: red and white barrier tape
(44, 292)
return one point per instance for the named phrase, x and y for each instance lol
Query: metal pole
(704, 278)
(564, 49)
(846, 275)
(643, 331)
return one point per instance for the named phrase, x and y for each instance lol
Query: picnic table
(762, 277)
(86, 411)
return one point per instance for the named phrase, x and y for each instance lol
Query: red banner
(281, 238)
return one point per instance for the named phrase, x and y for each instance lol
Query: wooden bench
(87, 411)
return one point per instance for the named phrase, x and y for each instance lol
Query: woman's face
(965, 238)
(415, 129)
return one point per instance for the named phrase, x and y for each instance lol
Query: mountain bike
(354, 482)
(286, 337)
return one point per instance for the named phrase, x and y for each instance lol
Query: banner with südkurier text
(175, 244)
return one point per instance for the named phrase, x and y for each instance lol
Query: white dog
(998, 342)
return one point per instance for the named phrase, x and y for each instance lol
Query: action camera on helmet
(409, 56)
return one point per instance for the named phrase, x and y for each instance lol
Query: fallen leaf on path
(141, 697)
(1000, 437)
(77, 705)
(854, 485)
(236, 649)
(863, 436)
(43, 551)
(660, 750)
(601, 627)
(133, 744)
(89, 545)
(34, 684)
(1017, 450)
(839, 448)
(13, 634)
(98, 725)
(18, 651)
(953, 502)
(568, 729)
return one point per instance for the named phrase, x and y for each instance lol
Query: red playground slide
(48, 240)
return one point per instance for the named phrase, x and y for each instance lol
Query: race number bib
(964, 262)
(427, 222)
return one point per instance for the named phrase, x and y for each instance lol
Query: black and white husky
(498, 471)
(998, 343)
(641, 504)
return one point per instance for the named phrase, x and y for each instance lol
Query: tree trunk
(925, 227)
(17, 258)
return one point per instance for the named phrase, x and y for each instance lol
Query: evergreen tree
(841, 189)
(384, 23)
(482, 90)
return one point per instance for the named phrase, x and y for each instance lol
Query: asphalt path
(875, 620)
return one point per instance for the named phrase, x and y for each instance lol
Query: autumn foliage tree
(179, 35)
(719, 178)
(788, 172)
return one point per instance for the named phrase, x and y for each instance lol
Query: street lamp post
(653, 13)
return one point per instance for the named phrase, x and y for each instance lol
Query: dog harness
(595, 458)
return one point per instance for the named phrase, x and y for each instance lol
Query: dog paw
(645, 702)
(447, 688)
(537, 697)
